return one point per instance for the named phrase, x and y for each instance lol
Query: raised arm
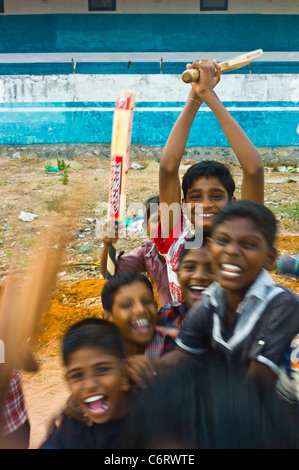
(169, 181)
(247, 154)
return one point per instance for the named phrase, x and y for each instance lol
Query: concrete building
(63, 62)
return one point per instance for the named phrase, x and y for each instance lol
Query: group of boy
(212, 282)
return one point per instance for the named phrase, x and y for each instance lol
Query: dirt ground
(25, 186)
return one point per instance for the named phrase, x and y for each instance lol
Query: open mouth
(196, 291)
(230, 270)
(208, 215)
(97, 404)
(142, 326)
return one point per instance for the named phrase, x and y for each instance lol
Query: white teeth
(207, 215)
(230, 270)
(231, 267)
(140, 323)
(94, 398)
(228, 274)
(197, 288)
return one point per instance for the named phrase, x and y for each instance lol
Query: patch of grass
(291, 212)
(56, 203)
(28, 242)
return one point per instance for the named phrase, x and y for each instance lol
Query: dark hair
(206, 404)
(118, 280)
(186, 247)
(92, 332)
(206, 169)
(151, 205)
(263, 217)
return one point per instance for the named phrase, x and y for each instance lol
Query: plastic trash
(288, 264)
(85, 248)
(50, 168)
(135, 224)
(27, 216)
(136, 166)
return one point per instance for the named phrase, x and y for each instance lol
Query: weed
(65, 177)
(61, 164)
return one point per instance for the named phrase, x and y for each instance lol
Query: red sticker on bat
(123, 102)
(115, 186)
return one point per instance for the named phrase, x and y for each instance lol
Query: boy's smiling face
(195, 274)
(211, 195)
(239, 252)
(152, 224)
(97, 384)
(134, 312)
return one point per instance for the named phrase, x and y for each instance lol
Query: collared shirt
(14, 410)
(266, 321)
(146, 259)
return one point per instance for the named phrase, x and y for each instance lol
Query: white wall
(24, 7)
(148, 88)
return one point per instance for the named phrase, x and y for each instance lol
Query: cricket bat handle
(192, 75)
(111, 260)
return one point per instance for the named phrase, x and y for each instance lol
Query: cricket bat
(120, 157)
(192, 75)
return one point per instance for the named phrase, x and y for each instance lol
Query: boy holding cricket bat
(143, 259)
(207, 184)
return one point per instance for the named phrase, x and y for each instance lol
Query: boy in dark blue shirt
(93, 355)
(243, 315)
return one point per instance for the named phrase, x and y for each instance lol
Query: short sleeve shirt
(267, 320)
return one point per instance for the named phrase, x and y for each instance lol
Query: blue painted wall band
(150, 105)
(116, 68)
(147, 33)
(263, 127)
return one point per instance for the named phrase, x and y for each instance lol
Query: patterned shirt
(172, 314)
(267, 320)
(14, 410)
(170, 248)
(170, 318)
